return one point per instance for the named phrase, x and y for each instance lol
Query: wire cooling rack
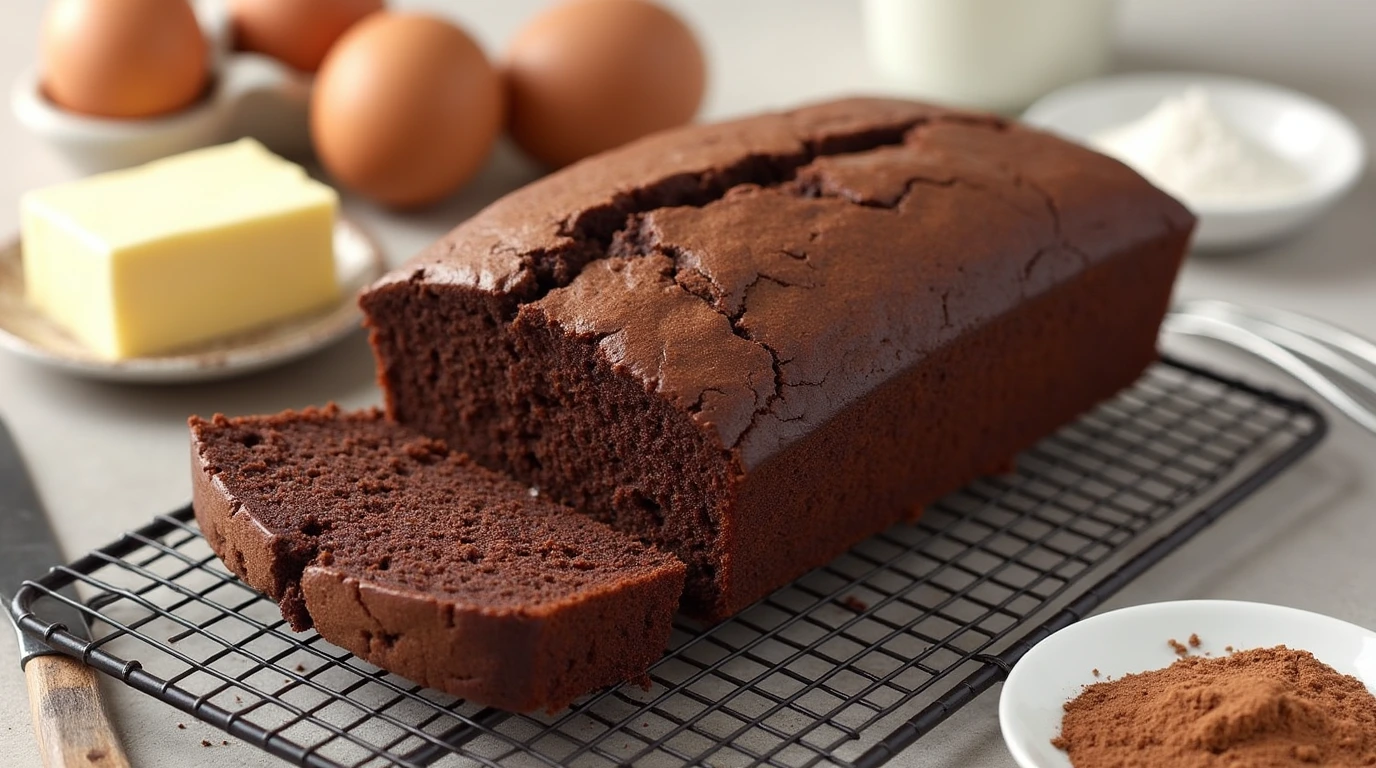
(847, 666)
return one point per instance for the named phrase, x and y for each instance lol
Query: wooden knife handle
(68, 717)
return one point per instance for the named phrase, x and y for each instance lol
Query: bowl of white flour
(1255, 162)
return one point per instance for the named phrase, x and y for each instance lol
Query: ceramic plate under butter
(29, 333)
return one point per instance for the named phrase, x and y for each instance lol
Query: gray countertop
(106, 457)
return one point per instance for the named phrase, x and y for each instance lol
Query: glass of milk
(998, 55)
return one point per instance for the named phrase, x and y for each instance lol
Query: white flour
(1190, 151)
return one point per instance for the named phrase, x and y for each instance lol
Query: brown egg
(296, 32)
(123, 58)
(588, 75)
(405, 108)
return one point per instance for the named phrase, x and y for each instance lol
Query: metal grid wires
(848, 665)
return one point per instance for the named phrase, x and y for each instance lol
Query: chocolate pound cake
(758, 342)
(410, 556)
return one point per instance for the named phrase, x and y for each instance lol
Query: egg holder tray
(849, 665)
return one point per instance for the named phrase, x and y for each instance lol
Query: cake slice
(410, 556)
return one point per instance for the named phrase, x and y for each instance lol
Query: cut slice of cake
(412, 557)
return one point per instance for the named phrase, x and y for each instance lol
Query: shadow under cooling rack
(847, 666)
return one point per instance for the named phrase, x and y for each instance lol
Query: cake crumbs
(206, 743)
(300, 667)
(181, 726)
(224, 742)
(1180, 648)
(1095, 671)
(855, 604)
(1194, 640)
(1228, 648)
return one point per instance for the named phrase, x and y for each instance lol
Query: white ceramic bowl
(1135, 640)
(1313, 136)
(94, 144)
(250, 95)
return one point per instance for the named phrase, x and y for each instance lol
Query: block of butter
(180, 251)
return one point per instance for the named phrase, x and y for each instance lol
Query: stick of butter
(182, 250)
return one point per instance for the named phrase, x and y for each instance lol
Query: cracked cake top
(763, 273)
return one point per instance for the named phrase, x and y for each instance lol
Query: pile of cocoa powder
(1262, 708)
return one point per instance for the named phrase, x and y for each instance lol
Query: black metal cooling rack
(847, 666)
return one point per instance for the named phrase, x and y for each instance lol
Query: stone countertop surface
(108, 457)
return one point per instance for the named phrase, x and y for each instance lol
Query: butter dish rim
(26, 333)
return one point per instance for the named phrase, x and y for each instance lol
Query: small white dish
(250, 96)
(28, 333)
(1312, 136)
(1135, 640)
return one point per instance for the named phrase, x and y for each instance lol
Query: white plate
(28, 333)
(1313, 136)
(1135, 640)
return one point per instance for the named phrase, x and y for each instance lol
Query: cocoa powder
(1262, 708)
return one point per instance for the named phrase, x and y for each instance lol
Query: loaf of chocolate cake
(757, 342)
(415, 559)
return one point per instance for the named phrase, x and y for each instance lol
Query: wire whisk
(1336, 364)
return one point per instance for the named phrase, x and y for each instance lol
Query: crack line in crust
(813, 189)
(633, 243)
(634, 240)
(701, 402)
(615, 230)
(591, 233)
(1055, 212)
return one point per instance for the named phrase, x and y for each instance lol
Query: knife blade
(28, 548)
(69, 717)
